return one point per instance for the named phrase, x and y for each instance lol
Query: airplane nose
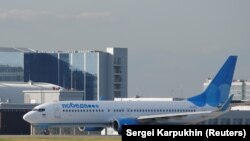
(28, 117)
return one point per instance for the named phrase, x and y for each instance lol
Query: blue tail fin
(217, 92)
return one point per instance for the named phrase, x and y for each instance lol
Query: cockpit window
(39, 110)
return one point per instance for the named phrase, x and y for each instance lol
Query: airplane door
(57, 111)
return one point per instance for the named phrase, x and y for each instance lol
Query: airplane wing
(171, 116)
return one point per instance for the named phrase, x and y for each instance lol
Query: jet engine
(117, 123)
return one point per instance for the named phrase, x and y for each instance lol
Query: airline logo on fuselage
(79, 106)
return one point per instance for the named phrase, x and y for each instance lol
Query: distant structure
(239, 114)
(11, 119)
(240, 89)
(29, 78)
(35, 93)
(100, 74)
(17, 98)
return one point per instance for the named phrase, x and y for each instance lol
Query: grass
(59, 138)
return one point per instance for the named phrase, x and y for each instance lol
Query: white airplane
(95, 115)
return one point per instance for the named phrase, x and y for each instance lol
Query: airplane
(96, 115)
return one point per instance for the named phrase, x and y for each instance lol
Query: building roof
(29, 85)
(12, 92)
(13, 49)
(16, 106)
(241, 108)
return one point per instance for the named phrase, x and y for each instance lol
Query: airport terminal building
(240, 89)
(100, 74)
(29, 78)
(11, 121)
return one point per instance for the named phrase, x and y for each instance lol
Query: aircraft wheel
(46, 131)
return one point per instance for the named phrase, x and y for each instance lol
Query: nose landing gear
(46, 132)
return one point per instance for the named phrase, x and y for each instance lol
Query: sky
(173, 45)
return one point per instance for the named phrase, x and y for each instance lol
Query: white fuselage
(102, 113)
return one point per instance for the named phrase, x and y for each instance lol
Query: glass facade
(77, 71)
(96, 73)
(41, 67)
(64, 76)
(247, 91)
(247, 121)
(64, 69)
(11, 66)
(213, 121)
(225, 121)
(91, 75)
(237, 121)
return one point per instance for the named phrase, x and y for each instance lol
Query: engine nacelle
(84, 128)
(117, 123)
